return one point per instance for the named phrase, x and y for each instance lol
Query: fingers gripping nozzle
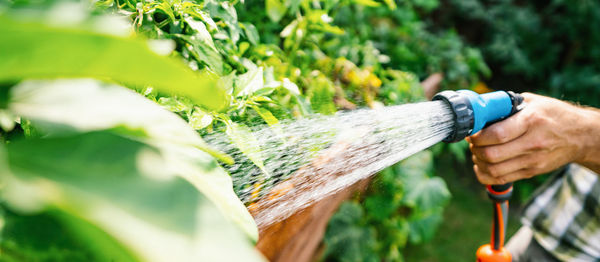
(472, 111)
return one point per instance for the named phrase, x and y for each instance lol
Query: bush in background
(551, 47)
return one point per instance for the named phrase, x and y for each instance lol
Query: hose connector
(463, 114)
(472, 111)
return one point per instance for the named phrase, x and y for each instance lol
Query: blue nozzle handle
(472, 111)
(488, 108)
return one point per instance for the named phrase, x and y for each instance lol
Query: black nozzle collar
(516, 100)
(463, 114)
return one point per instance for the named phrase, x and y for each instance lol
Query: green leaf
(423, 228)
(122, 187)
(251, 33)
(291, 86)
(391, 4)
(36, 50)
(96, 176)
(7, 120)
(275, 10)
(57, 236)
(367, 3)
(243, 138)
(250, 82)
(199, 119)
(222, 10)
(49, 105)
(289, 29)
(427, 194)
(380, 207)
(347, 238)
(204, 52)
(266, 115)
(173, 104)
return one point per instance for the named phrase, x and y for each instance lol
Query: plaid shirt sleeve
(565, 215)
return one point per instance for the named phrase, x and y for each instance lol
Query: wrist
(590, 138)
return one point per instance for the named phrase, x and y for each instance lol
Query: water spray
(473, 112)
(296, 163)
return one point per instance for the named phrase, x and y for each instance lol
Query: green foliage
(128, 114)
(129, 175)
(135, 206)
(52, 236)
(403, 204)
(320, 57)
(400, 38)
(348, 237)
(288, 71)
(546, 46)
(122, 178)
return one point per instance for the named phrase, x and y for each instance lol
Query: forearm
(590, 139)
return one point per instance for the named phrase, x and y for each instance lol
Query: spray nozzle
(472, 111)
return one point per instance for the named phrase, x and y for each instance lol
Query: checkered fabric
(565, 215)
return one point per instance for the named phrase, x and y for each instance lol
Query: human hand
(545, 135)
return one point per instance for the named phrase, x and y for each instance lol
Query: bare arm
(545, 135)
(591, 157)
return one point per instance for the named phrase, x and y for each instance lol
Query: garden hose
(473, 112)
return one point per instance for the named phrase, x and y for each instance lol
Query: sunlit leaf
(366, 2)
(291, 86)
(49, 104)
(173, 104)
(7, 120)
(266, 115)
(246, 142)
(199, 119)
(275, 9)
(203, 49)
(109, 181)
(251, 33)
(99, 106)
(391, 4)
(250, 82)
(289, 29)
(32, 49)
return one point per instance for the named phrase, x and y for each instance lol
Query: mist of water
(309, 159)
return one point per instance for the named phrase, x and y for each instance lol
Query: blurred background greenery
(273, 60)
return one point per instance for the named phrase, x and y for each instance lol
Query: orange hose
(500, 224)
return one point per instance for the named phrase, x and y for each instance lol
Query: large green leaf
(31, 49)
(60, 107)
(427, 194)
(50, 104)
(117, 185)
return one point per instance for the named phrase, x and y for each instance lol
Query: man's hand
(545, 135)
